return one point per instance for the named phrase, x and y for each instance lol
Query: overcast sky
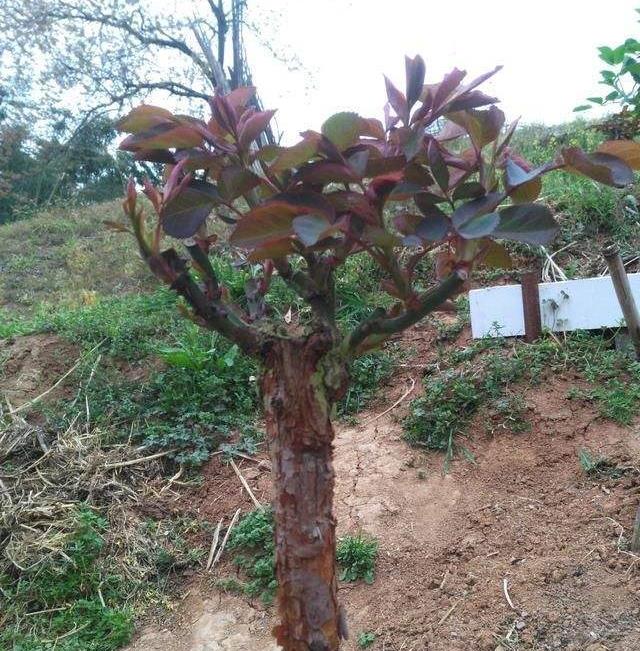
(547, 47)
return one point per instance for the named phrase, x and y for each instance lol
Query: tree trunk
(300, 434)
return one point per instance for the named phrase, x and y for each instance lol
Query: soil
(519, 550)
(32, 364)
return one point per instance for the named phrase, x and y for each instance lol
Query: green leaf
(582, 107)
(532, 223)
(433, 227)
(471, 190)
(479, 226)
(142, 118)
(342, 129)
(187, 211)
(295, 156)
(311, 228)
(476, 208)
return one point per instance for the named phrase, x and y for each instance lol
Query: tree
(105, 54)
(397, 192)
(76, 164)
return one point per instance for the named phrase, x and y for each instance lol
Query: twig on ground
(226, 537)
(505, 589)
(214, 545)
(257, 504)
(133, 462)
(446, 616)
(394, 405)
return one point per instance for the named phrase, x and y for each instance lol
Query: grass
(252, 541)
(66, 256)
(73, 604)
(488, 375)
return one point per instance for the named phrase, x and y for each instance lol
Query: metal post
(531, 306)
(611, 254)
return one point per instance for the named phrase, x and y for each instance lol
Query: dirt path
(524, 513)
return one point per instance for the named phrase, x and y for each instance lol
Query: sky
(548, 49)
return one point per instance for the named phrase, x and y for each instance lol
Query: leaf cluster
(437, 177)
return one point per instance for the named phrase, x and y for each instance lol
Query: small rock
(520, 624)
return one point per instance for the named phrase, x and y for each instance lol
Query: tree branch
(305, 286)
(380, 327)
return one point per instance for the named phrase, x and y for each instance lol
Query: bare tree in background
(108, 54)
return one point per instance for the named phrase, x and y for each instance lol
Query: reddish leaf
(263, 224)
(253, 127)
(406, 222)
(445, 88)
(155, 156)
(472, 100)
(200, 159)
(479, 226)
(273, 249)
(236, 181)
(376, 166)
(415, 71)
(324, 172)
(371, 127)
(240, 97)
(523, 186)
(397, 100)
(438, 166)
(483, 127)
(352, 202)
(626, 150)
(450, 131)
(189, 208)
(163, 136)
(313, 203)
(224, 113)
(604, 168)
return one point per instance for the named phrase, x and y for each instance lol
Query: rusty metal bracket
(531, 306)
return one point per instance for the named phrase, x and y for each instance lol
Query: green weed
(356, 556)
(252, 538)
(482, 374)
(83, 603)
(366, 639)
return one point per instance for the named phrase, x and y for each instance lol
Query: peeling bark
(300, 434)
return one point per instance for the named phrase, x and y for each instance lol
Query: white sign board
(585, 304)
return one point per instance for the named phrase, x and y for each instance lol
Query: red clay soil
(519, 550)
